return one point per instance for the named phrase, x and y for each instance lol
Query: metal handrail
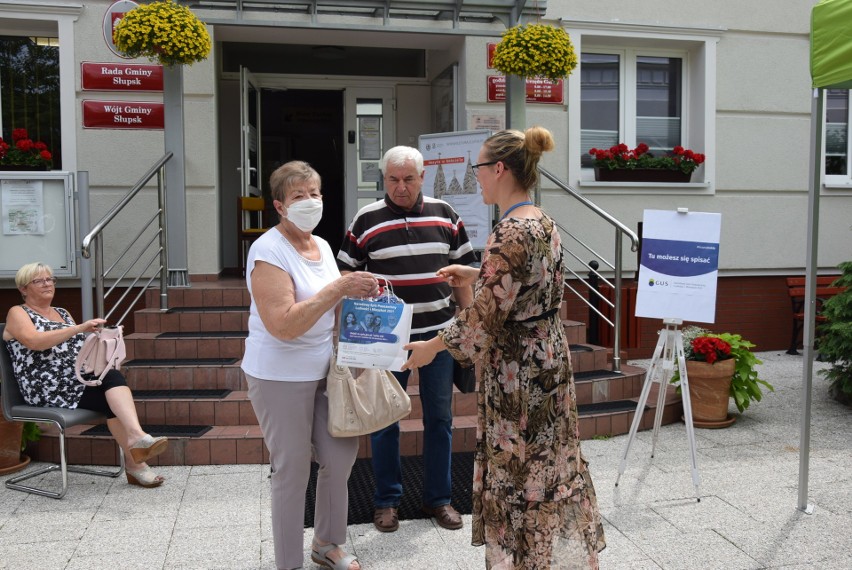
(93, 241)
(621, 231)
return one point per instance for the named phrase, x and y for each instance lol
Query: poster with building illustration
(447, 158)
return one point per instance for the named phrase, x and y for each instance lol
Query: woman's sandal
(144, 477)
(148, 447)
(319, 554)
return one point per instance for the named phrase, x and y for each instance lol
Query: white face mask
(305, 214)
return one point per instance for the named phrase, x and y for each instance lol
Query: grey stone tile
(231, 547)
(36, 555)
(703, 549)
(127, 537)
(42, 526)
(206, 513)
(117, 561)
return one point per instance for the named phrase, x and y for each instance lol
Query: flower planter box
(22, 168)
(640, 175)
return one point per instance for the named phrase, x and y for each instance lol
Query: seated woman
(44, 341)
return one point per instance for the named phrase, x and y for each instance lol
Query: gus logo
(652, 282)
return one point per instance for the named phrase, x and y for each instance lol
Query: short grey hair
(399, 155)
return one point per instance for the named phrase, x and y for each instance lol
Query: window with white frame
(633, 97)
(638, 84)
(837, 149)
(29, 90)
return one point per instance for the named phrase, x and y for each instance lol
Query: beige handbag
(360, 405)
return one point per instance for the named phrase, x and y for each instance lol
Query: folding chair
(17, 410)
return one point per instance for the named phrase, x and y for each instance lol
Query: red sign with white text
(122, 115)
(121, 77)
(538, 90)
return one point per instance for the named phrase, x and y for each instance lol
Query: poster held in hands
(372, 333)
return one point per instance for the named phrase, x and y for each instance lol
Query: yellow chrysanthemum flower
(160, 31)
(535, 50)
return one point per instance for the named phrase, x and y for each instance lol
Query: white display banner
(679, 265)
(447, 158)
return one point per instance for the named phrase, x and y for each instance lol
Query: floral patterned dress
(534, 505)
(47, 376)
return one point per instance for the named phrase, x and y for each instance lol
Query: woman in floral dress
(534, 505)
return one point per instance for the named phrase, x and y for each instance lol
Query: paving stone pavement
(218, 517)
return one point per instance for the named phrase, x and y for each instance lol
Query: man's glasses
(44, 281)
(475, 167)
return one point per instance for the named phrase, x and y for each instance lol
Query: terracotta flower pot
(11, 459)
(709, 389)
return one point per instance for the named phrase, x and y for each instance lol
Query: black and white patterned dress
(46, 377)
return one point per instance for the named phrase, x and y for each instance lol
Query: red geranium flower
(24, 151)
(710, 349)
(621, 156)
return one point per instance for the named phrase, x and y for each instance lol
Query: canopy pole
(816, 162)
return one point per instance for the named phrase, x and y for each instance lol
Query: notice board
(37, 221)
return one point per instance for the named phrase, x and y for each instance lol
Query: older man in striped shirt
(406, 238)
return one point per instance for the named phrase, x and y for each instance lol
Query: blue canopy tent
(831, 68)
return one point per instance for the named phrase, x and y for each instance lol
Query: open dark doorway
(301, 124)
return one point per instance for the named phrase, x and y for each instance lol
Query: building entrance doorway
(307, 125)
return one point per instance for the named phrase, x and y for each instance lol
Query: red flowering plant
(701, 345)
(710, 349)
(622, 156)
(23, 151)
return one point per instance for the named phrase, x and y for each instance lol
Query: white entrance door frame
(357, 192)
(250, 122)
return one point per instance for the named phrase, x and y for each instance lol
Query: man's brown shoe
(385, 519)
(445, 515)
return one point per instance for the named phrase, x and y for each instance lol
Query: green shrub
(835, 341)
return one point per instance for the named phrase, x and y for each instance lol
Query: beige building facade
(337, 83)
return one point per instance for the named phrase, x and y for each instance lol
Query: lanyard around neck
(518, 205)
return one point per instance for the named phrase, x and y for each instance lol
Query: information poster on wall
(447, 158)
(679, 265)
(22, 207)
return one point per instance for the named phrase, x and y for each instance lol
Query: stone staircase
(183, 366)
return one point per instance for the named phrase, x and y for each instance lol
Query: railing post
(164, 255)
(86, 303)
(593, 334)
(99, 275)
(616, 344)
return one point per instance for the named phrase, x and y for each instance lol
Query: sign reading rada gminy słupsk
(121, 76)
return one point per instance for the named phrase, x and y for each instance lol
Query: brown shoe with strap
(445, 515)
(386, 519)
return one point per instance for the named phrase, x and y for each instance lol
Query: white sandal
(319, 554)
(144, 477)
(148, 447)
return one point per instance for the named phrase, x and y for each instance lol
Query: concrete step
(192, 319)
(201, 344)
(209, 321)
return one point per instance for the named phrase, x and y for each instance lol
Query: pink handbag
(102, 351)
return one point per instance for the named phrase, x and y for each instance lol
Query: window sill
(693, 188)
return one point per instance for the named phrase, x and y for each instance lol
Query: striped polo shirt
(407, 248)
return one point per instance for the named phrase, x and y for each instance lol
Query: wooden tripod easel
(669, 351)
